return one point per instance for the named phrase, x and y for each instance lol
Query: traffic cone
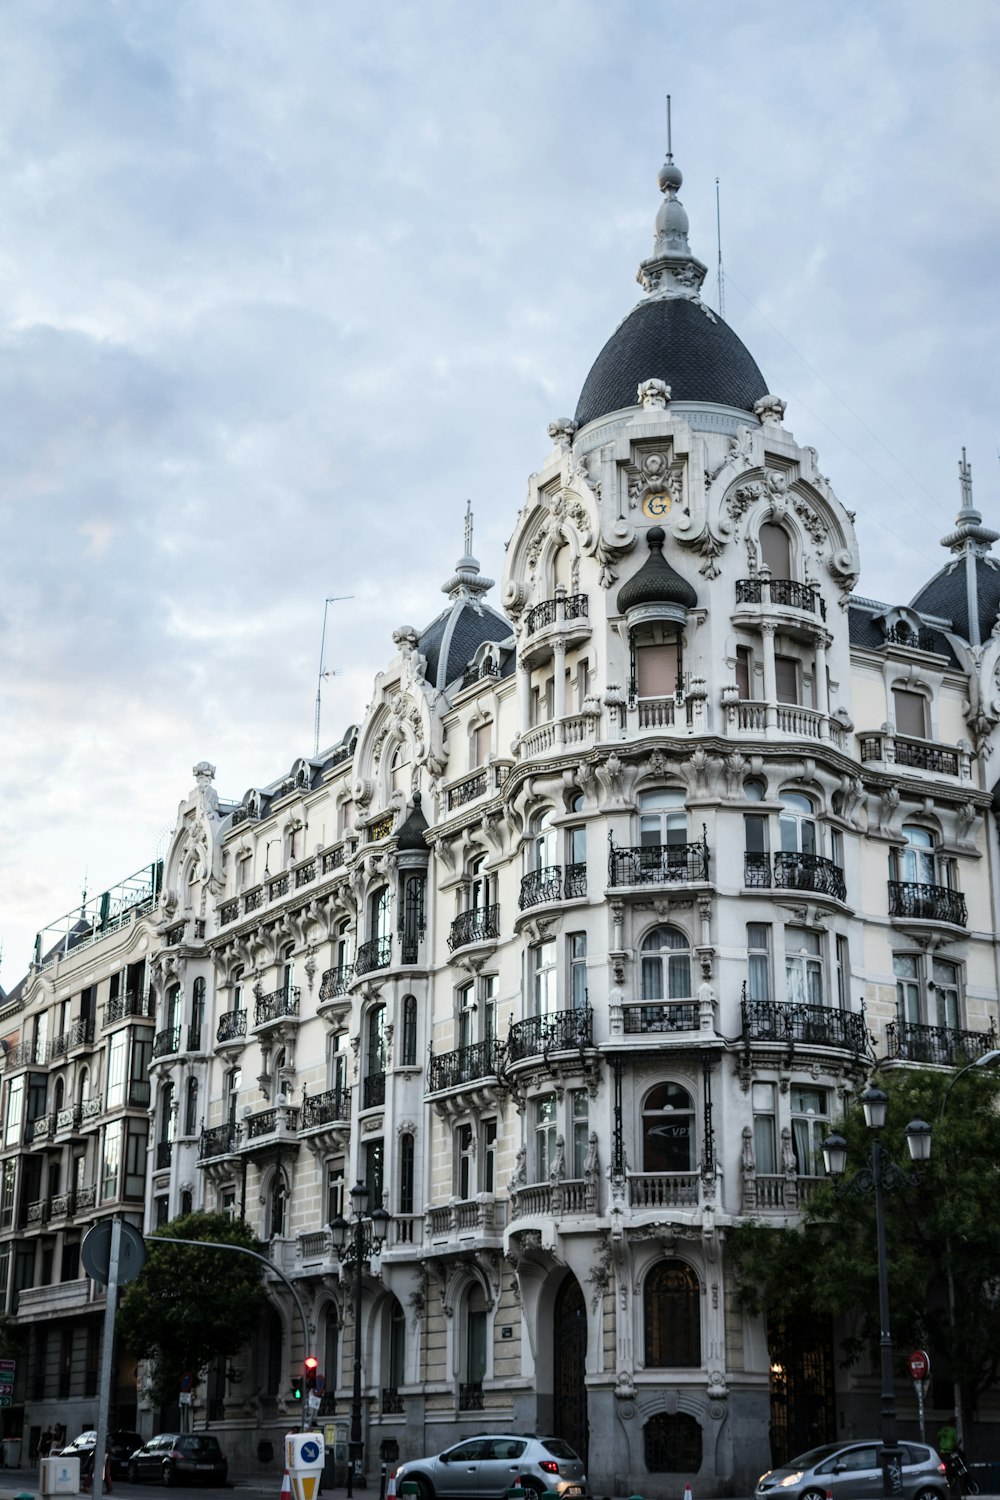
(390, 1489)
(688, 1495)
(286, 1487)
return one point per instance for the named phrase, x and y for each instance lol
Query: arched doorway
(569, 1328)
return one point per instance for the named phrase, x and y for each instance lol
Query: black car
(120, 1446)
(173, 1457)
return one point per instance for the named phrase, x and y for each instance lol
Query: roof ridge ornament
(467, 581)
(671, 270)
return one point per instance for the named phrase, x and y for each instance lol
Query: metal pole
(169, 1239)
(107, 1358)
(356, 1447)
(889, 1456)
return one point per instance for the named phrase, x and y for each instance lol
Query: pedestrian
(947, 1438)
(45, 1443)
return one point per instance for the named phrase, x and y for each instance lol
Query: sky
(284, 283)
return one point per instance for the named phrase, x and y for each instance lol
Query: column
(770, 681)
(822, 689)
(559, 688)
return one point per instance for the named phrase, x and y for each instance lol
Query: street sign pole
(920, 1368)
(107, 1359)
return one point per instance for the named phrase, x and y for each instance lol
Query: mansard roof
(946, 596)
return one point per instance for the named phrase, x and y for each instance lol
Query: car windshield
(204, 1447)
(558, 1448)
(814, 1456)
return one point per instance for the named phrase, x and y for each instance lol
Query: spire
(970, 539)
(467, 582)
(671, 270)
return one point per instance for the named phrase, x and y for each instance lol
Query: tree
(190, 1306)
(950, 1220)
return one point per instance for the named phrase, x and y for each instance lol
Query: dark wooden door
(569, 1373)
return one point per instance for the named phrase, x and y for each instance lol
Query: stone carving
(771, 410)
(562, 431)
(887, 811)
(653, 395)
(736, 768)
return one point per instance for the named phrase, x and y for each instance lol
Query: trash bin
(12, 1453)
(59, 1476)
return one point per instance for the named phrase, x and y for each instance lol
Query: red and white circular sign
(920, 1364)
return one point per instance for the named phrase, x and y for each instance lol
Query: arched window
(775, 550)
(238, 989)
(331, 1349)
(276, 1205)
(396, 1364)
(473, 1370)
(668, 1130)
(343, 953)
(234, 1078)
(171, 1004)
(166, 1114)
(373, 1088)
(409, 1048)
(279, 1083)
(197, 1014)
(673, 1444)
(59, 1095)
(541, 849)
(286, 969)
(381, 915)
(191, 1107)
(83, 1086)
(400, 774)
(916, 863)
(797, 824)
(666, 965)
(671, 1309)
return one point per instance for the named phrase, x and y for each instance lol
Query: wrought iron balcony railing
(920, 755)
(323, 1109)
(918, 640)
(228, 912)
(479, 925)
(392, 1402)
(373, 1091)
(336, 981)
(756, 869)
(564, 607)
(658, 864)
(232, 1024)
(541, 885)
(375, 954)
(809, 872)
(219, 1140)
(671, 1015)
(487, 668)
(164, 1152)
(784, 591)
(945, 1046)
(278, 1004)
(560, 1031)
(270, 1121)
(470, 1396)
(928, 903)
(821, 1025)
(122, 1007)
(464, 1065)
(166, 1041)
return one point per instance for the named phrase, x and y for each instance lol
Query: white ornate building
(573, 949)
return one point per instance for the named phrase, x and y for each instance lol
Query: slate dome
(679, 341)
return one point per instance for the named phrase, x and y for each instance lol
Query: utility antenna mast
(670, 152)
(332, 599)
(718, 239)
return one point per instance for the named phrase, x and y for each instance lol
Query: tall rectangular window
(374, 1155)
(843, 973)
(135, 1158)
(407, 1169)
(765, 1134)
(786, 677)
(578, 970)
(803, 967)
(335, 1193)
(759, 961)
(545, 1136)
(580, 1124)
(744, 673)
(810, 1127)
(489, 1149)
(117, 1056)
(465, 1162)
(905, 968)
(14, 1117)
(8, 1186)
(909, 711)
(656, 667)
(465, 1004)
(112, 1160)
(488, 990)
(542, 959)
(944, 998)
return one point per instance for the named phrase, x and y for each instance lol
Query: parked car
(486, 1467)
(120, 1446)
(850, 1471)
(173, 1457)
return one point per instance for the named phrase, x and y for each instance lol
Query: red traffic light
(311, 1364)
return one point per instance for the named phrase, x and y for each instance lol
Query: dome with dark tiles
(656, 581)
(412, 830)
(673, 336)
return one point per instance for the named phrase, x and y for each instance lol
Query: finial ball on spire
(670, 177)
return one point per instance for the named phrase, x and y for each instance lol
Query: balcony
(566, 616)
(463, 1066)
(756, 870)
(927, 903)
(662, 1189)
(126, 1007)
(560, 1031)
(470, 1396)
(80, 1034)
(164, 1155)
(335, 982)
(37, 1302)
(43, 1129)
(219, 1140)
(467, 1219)
(167, 1041)
(556, 611)
(73, 1116)
(232, 1026)
(943, 1046)
(375, 954)
(373, 1091)
(551, 883)
(752, 716)
(809, 872)
(479, 925)
(815, 1025)
(661, 1017)
(280, 1005)
(786, 593)
(228, 912)
(551, 1200)
(325, 1109)
(658, 864)
(916, 755)
(261, 1129)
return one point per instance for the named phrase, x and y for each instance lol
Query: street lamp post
(356, 1240)
(987, 1059)
(881, 1176)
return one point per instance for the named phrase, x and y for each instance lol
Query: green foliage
(829, 1266)
(191, 1305)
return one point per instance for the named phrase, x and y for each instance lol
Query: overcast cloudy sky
(283, 282)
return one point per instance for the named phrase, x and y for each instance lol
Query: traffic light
(311, 1368)
(296, 1390)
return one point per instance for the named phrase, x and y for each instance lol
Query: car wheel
(813, 1495)
(928, 1494)
(425, 1489)
(133, 1474)
(170, 1478)
(532, 1487)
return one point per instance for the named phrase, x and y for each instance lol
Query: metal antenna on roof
(718, 239)
(468, 528)
(331, 599)
(670, 150)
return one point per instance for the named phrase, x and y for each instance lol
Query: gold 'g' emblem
(656, 504)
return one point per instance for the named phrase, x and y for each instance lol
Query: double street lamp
(356, 1240)
(881, 1176)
